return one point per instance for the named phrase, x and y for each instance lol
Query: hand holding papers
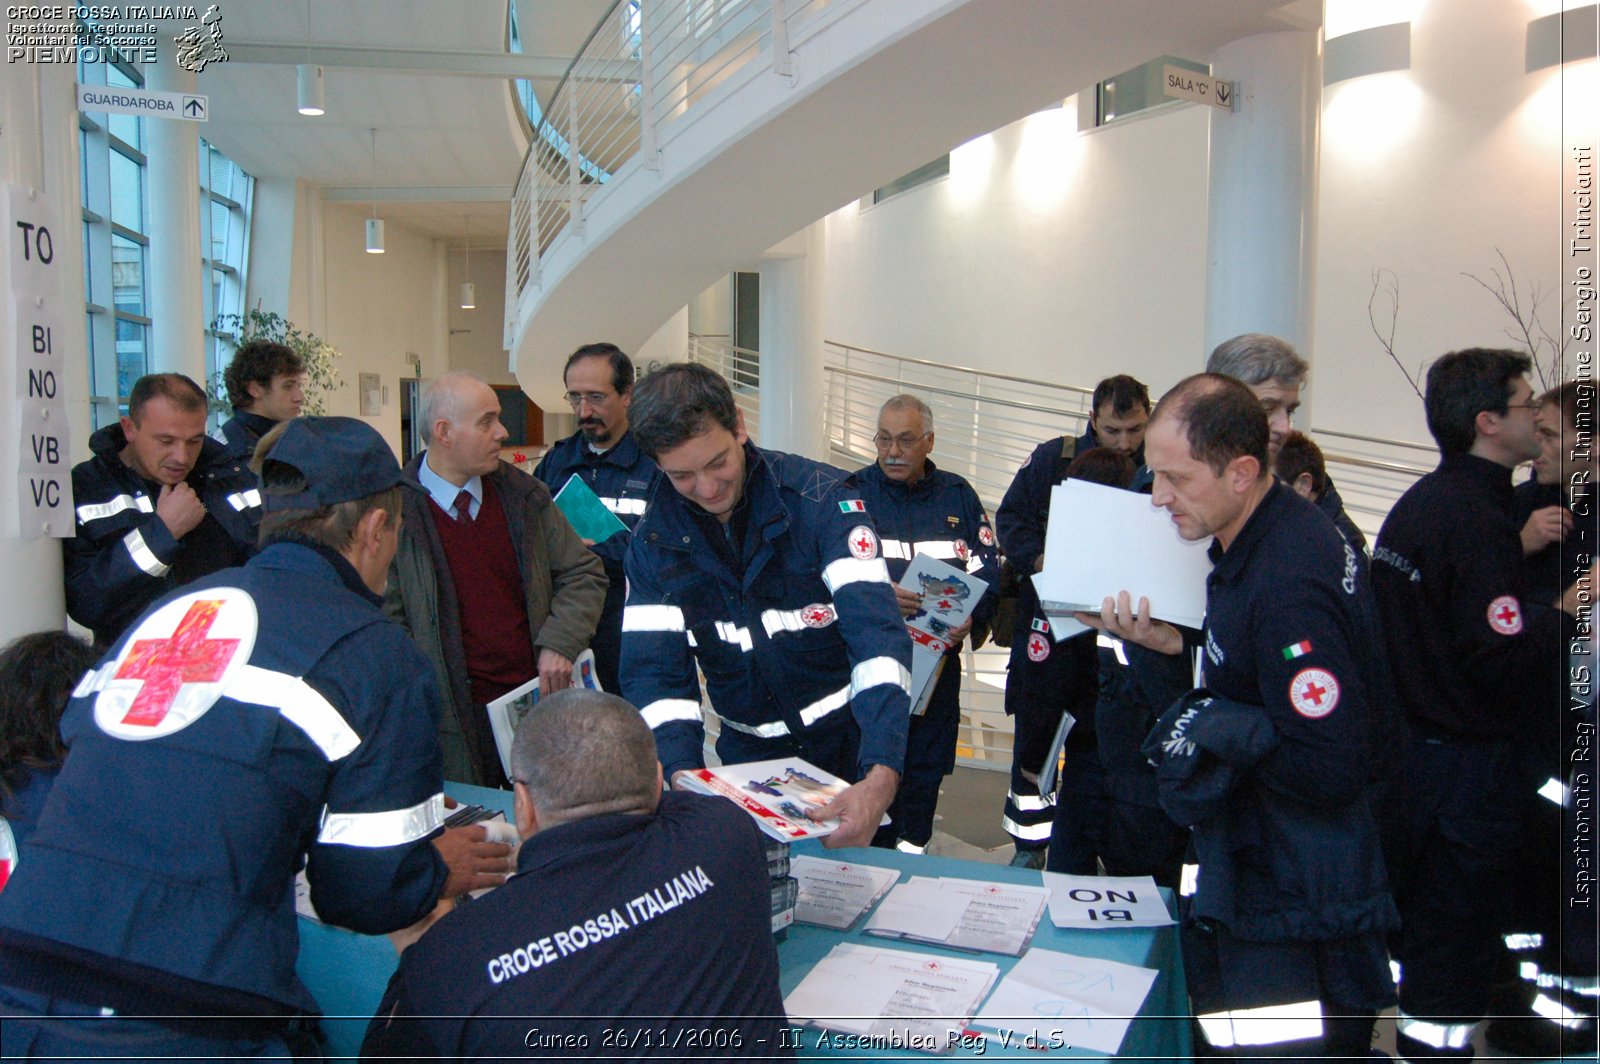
(890, 999)
(1103, 540)
(779, 794)
(946, 598)
(961, 914)
(1105, 901)
(507, 711)
(1055, 1000)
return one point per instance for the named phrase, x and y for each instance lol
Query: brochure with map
(777, 794)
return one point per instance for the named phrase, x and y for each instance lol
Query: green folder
(588, 515)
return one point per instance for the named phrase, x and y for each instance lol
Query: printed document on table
(836, 893)
(1053, 1000)
(903, 1000)
(1105, 901)
(1101, 540)
(961, 914)
(999, 918)
(920, 908)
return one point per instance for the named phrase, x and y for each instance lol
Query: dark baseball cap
(342, 459)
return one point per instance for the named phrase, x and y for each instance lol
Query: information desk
(347, 972)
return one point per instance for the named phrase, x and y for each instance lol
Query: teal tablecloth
(347, 972)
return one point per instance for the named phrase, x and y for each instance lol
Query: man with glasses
(922, 509)
(603, 454)
(490, 579)
(1475, 664)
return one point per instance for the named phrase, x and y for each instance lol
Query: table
(347, 972)
(1161, 1032)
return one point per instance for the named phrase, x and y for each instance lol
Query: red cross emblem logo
(173, 668)
(1038, 647)
(863, 542)
(985, 535)
(962, 550)
(818, 615)
(1314, 693)
(1505, 615)
(8, 853)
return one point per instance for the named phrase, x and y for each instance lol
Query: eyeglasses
(906, 441)
(577, 399)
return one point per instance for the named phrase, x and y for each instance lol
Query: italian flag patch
(852, 506)
(1298, 650)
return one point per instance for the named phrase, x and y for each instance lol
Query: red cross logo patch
(863, 542)
(174, 666)
(1313, 693)
(962, 550)
(818, 615)
(985, 535)
(1505, 615)
(8, 853)
(1038, 647)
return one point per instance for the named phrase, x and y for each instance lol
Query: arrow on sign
(194, 107)
(1224, 94)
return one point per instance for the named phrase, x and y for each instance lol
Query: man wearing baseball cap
(256, 721)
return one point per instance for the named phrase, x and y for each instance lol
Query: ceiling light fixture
(308, 77)
(374, 224)
(469, 291)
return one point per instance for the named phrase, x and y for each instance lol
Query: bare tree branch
(1387, 341)
(1529, 330)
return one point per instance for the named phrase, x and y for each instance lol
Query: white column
(791, 346)
(175, 284)
(38, 149)
(1263, 191)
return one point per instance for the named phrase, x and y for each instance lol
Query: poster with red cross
(175, 665)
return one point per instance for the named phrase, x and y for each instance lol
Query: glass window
(131, 358)
(127, 192)
(127, 275)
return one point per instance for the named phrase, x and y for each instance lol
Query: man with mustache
(602, 454)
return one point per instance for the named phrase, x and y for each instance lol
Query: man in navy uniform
(764, 569)
(602, 454)
(266, 384)
(159, 504)
(1283, 938)
(922, 509)
(1477, 667)
(576, 946)
(277, 705)
(1046, 678)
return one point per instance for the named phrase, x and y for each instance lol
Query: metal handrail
(960, 369)
(929, 390)
(1430, 448)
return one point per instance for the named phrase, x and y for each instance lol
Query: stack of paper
(961, 914)
(778, 794)
(1105, 901)
(836, 893)
(949, 595)
(884, 999)
(1056, 1001)
(1102, 540)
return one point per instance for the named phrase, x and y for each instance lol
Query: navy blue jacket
(1331, 504)
(623, 477)
(241, 432)
(642, 934)
(1548, 572)
(122, 557)
(809, 627)
(1467, 647)
(940, 516)
(262, 720)
(1288, 849)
